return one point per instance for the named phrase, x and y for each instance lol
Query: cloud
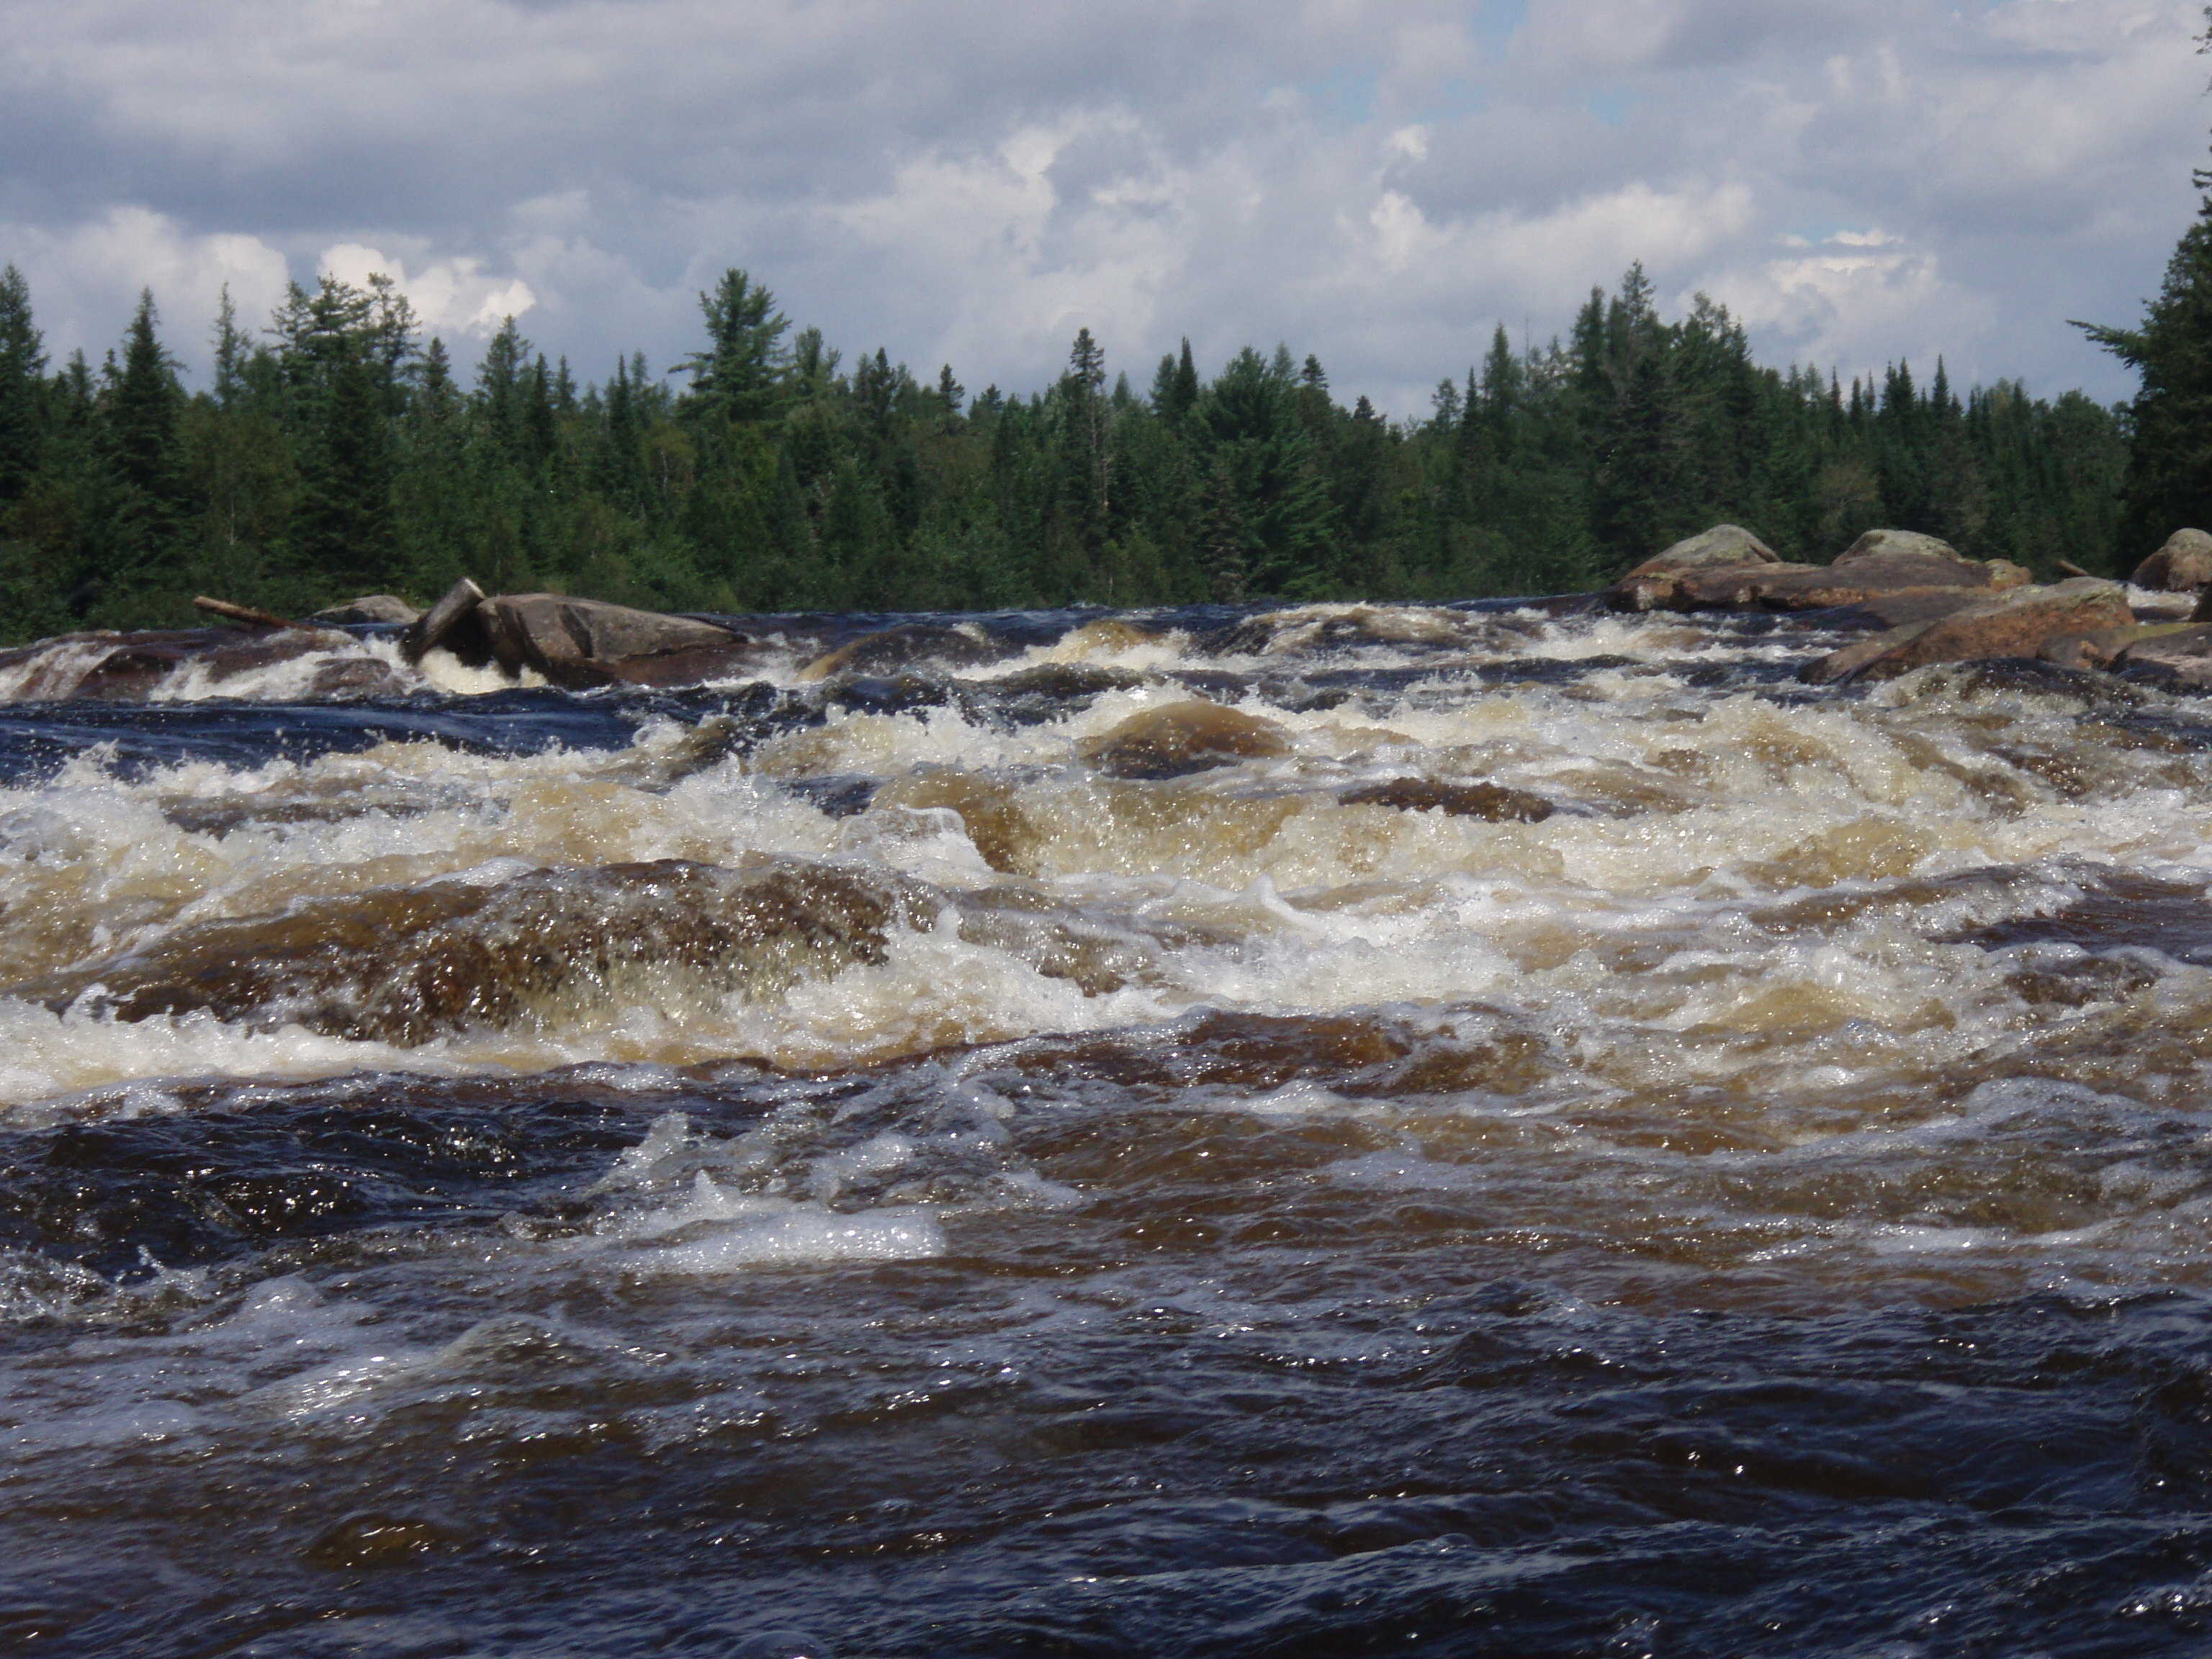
(970, 181)
(85, 278)
(451, 296)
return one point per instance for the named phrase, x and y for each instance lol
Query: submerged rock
(1494, 801)
(1181, 739)
(2014, 623)
(909, 645)
(989, 809)
(2183, 565)
(403, 965)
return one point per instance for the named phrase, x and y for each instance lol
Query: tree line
(335, 451)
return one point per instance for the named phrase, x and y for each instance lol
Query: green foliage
(336, 454)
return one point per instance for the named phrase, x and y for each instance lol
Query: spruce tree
(2169, 480)
(22, 365)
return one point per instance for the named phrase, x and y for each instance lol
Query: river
(1492, 1129)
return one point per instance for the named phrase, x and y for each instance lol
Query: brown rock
(2014, 623)
(1493, 801)
(695, 665)
(2183, 565)
(583, 642)
(1181, 739)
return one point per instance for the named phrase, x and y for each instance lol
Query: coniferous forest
(335, 451)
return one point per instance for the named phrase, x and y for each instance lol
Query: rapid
(1498, 1128)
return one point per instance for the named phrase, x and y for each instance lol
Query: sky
(1378, 182)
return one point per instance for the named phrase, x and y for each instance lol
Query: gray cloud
(972, 180)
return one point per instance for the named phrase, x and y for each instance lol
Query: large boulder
(1653, 585)
(2183, 565)
(586, 643)
(2017, 622)
(1876, 544)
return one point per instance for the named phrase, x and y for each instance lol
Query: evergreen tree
(22, 367)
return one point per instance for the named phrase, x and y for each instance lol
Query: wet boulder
(580, 643)
(911, 645)
(2178, 659)
(1495, 802)
(1181, 739)
(131, 668)
(2017, 622)
(2104, 647)
(1655, 585)
(370, 608)
(2183, 565)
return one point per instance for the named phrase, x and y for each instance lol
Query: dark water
(903, 1162)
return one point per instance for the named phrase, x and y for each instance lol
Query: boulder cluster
(1924, 602)
(1911, 599)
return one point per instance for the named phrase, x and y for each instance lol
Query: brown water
(1339, 1131)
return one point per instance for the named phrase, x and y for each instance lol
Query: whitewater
(1495, 1128)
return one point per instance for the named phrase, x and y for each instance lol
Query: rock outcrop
(1903, 576)
(2183, 565)
(2017, 622)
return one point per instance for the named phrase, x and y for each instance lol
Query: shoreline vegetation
(335, 453)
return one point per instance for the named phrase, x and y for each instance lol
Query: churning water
(1345, 1131)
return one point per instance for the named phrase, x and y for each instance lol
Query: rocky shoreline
(1914, 599)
